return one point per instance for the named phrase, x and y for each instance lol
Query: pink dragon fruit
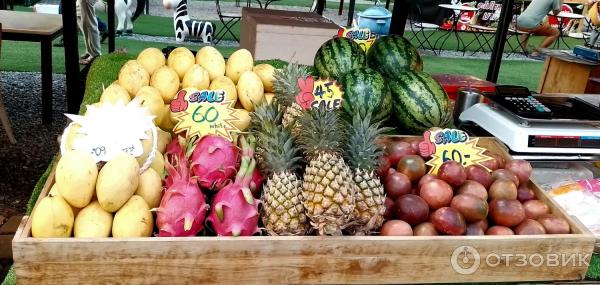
(214, 161)
(175, 149)
(234, 211)
(256, 182)
(183, 206)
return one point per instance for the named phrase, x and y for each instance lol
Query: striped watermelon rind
(338, 56)
(393, 54)
(419, 101)
(365, 91)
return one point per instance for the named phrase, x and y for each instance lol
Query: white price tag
(111, 129)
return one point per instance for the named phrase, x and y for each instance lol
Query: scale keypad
(526, 106)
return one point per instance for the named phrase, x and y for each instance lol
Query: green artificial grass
(525, 73)
(163, 26)
(102, 73)
(25, 56)
(594, 269)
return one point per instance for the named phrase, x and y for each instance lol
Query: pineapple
(283, 210)
(328, 188)
(362, 154)
(286, 88)
(265, 119)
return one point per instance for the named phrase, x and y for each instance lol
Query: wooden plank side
(556, 70)
(544, 74)
(269, 260)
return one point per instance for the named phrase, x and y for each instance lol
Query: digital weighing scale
(570, 130)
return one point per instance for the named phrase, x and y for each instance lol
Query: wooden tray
(297, 260)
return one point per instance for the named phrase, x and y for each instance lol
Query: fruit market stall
(189, 168)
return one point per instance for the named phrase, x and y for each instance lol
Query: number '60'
(210, 115)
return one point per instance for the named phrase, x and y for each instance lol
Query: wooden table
(35, 27)
(565, 73)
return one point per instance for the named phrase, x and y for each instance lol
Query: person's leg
(550, 32)
(90, 27)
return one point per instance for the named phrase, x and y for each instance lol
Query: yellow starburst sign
(362, 36)
(204, 113)
(320, 93)
(451, 144)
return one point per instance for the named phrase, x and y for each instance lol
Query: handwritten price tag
(451, 144)
(111, 129)
(204, 113)
(363, 37)
(322, 93)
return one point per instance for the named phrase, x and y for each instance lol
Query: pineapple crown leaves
(321, 131)
(362, 149)
(265, 118)
(278, 151)
(285, 85)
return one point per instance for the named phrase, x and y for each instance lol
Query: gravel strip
(23, 163)
(171, 40)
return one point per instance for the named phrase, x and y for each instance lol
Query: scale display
(564, 141)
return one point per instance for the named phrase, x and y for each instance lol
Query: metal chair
(229, 20)
(482, 30)
(421, 31)
(514, 32)
(3, 114)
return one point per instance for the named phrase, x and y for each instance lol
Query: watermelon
(392, 54)
(338, 56)
(365, 91)
(419, 101)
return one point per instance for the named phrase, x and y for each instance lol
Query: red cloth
(452, 83)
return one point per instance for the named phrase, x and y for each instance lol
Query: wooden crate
(297, 260)
(291, 36)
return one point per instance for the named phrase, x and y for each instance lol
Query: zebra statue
(186, 27)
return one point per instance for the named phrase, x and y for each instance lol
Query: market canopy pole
(111, 25)
(399, 16)
(351, 12)
(71, 49)
(501, 32)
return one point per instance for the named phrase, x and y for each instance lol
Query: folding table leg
(46, 52)
(6, 122)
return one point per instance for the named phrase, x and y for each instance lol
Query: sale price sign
(362, 36)
(450, 144)
(203, 113)
(322, 93)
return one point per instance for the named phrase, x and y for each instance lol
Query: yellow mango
(52, 218)
(93, 222)
(76, 174)
(239, 62)
(134, 219)
(117, 181)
